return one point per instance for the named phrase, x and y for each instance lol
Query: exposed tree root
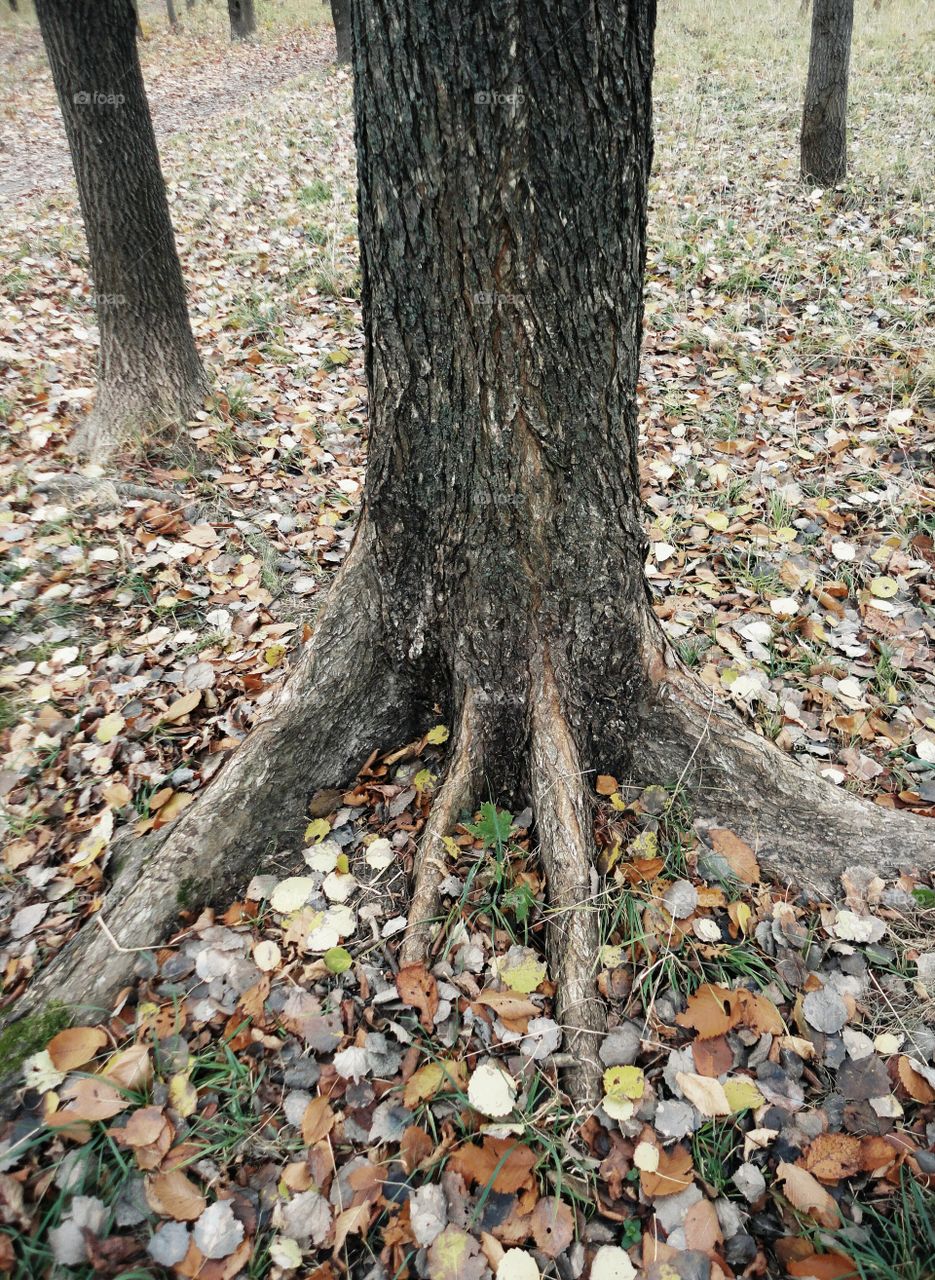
(804, 829)
(105, 491)
(457, 793)
(564, 826)
(340, 701)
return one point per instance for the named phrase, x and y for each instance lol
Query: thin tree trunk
(497, 566)
(824, 116)
(341, 13)
(149, 372)
(172, 15)
(242, 18)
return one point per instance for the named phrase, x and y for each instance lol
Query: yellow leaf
(716, 520)
(525, 974)
(742, 1094)
(433, 1078)
(183, 1097)
(317, 830)
(424, 780)
(109, 727)
(884, 587)
(437, 736)
(274, 654)
(740, 913)
(624, 1082)
(618, 802)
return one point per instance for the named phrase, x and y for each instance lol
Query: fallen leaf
(76, 1046)
(805, 1193)
(418, 989)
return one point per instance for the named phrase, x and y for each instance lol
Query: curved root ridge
(457, 793)
(563, 822)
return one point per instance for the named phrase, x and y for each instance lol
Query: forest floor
(273, 1097)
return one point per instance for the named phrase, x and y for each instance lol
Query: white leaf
(517, 1264)
(612, 1263)
(705, 1093)
(352, 1064)
(217, 1232)
(491, 1091)
(169, 1244)
(428, 1213)
(291, 894)
(380, 854)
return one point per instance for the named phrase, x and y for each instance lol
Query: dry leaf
(174, 1195)
(737, 854)
(418, 989)
(805, 1193)
(75, 1046)
(317, 1121)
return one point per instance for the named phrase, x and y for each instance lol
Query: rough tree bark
(171, 14)
(341, 13)
(149, 372)
(242, 18)
(824, 116)
(498, 563)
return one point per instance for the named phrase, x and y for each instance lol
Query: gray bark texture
(824, 116)
(242, 18)
(149, 371)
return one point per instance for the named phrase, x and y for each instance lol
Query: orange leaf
(709, 1012)
(823, 1266)
(90, 1099)
(832, 1156)
(606, 785)
(672, 1175)
(736, 853)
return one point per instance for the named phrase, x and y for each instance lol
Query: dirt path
(217, 80)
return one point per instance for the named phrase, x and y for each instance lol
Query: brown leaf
(832, 1156)
(418, 989)
(823, 1266)
(672, 1175)
(75, 1046)
(353, 1221)
(709, 1012)
(712, 1057)
(606, 785)
(553, 1226)
(317, 1121)
(89, 1099)
(805, 1193)
(915, 1084)
(414, 1147)
(702, 1228)
(174, 1195)
(507, 1162)
(736, 853)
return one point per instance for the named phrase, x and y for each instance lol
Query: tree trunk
(824, 117)
(149, 371)
(173, 16)
(341, 13)
(242, 18)
(498, 564)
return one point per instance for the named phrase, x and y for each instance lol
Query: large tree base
(345, 698)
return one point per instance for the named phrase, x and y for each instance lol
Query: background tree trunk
(172, 15)
(341, 13)
(824, 117)
(242, 18)
(149, 371)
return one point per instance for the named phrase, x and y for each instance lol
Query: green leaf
(337, 960)
(494, 826)
(437, 736)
